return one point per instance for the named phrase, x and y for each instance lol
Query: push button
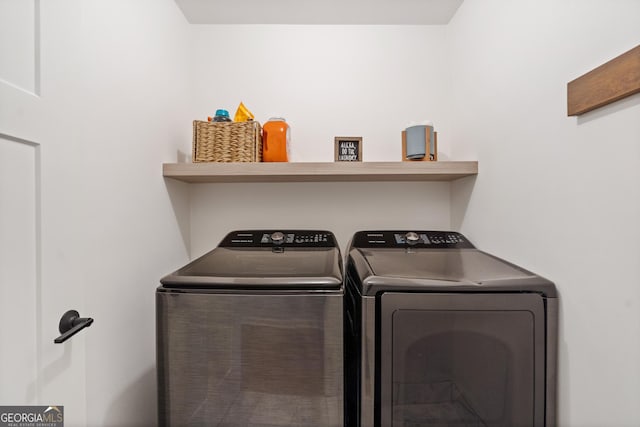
(277, 238)
(412, 238)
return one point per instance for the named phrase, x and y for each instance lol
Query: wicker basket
(227, 141)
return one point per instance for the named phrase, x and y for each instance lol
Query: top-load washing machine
(439, 333)
(250, 334)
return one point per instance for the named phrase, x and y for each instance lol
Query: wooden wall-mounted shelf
(319, 172)
(608, 83)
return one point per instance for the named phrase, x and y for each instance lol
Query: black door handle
(70, 324)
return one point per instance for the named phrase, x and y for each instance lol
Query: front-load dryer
(438, 333)
(250, 334)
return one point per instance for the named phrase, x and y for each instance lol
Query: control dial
(277, 238)
(412, 238)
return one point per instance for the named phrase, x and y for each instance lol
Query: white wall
(326, 81)
(557, 194)
(341, 208)
(115, 76)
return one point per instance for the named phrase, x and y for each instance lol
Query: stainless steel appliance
(250, 334)
(439, 333)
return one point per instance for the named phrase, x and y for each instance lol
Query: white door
(18, 272)
(33, 370)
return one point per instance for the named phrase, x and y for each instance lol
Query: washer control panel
(410, 239)
(279, 238)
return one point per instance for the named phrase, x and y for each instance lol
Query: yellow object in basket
(242, 114)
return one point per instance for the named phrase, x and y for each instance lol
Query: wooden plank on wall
(608, 83)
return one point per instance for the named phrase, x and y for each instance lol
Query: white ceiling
(341, 12)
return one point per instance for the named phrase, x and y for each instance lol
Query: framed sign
(348, 149)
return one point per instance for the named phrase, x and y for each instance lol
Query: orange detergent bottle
(276, 135)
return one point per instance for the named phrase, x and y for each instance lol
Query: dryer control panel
(279, 238)
(411, 239)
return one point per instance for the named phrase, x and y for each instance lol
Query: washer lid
(265, 259)
(448, 265)
(451, 264)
